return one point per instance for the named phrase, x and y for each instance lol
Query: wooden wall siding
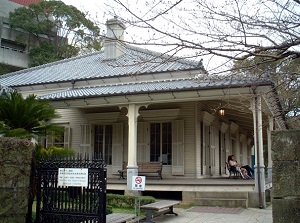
(159, 115)
(102, 117)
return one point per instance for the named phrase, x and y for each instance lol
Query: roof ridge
(164, 55)
(131, 83)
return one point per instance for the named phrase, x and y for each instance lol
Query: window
(103, 143)
(161, 142)
(61, 140)
(8, 44)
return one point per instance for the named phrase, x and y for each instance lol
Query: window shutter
(178, 147)
(206, 150)
(143, 142)
(67, 137)
(213, 153)
(117, 147)
(85, 140)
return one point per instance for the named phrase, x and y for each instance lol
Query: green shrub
(52, 152)
(108, 209)
(127, 201)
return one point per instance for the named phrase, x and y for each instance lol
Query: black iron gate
(60, 204)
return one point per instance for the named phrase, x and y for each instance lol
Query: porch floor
(189, 184)
(222, 181)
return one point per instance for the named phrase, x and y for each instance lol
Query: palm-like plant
(26, 117)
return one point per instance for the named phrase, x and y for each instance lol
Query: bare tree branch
(255, 37)
(234, 31)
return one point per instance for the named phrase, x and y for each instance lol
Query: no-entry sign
(138, 182)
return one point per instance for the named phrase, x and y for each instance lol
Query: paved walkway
(217, 215)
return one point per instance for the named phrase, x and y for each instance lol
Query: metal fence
(58, 204)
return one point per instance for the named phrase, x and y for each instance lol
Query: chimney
(113, 45)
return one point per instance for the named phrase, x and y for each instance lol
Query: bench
(144, 168)
(160, 207)
(119, 217)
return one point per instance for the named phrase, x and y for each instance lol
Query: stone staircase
(222, 199)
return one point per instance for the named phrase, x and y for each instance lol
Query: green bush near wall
(127, 201)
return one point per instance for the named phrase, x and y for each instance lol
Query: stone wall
(286, 176)
(15, 159)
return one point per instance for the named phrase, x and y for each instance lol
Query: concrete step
(232, 199)
(223, 194)
(222, 202)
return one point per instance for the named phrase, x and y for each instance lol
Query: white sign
(138, 182)
(73, 177)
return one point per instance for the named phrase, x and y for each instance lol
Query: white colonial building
(130, 104)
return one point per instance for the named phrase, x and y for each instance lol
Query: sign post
(138, 184)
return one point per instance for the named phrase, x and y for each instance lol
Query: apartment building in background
(13, 55)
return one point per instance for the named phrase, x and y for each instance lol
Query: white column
(260, 181)
(270, 162)
(132, 168)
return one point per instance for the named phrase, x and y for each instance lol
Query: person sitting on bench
(245, 170)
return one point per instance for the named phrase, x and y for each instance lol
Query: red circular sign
(138, 180)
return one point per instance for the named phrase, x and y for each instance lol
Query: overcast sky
(96, 8)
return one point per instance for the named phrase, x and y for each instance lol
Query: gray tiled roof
(151, 87)
(93, 66)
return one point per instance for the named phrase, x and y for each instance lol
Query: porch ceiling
(238, 112)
